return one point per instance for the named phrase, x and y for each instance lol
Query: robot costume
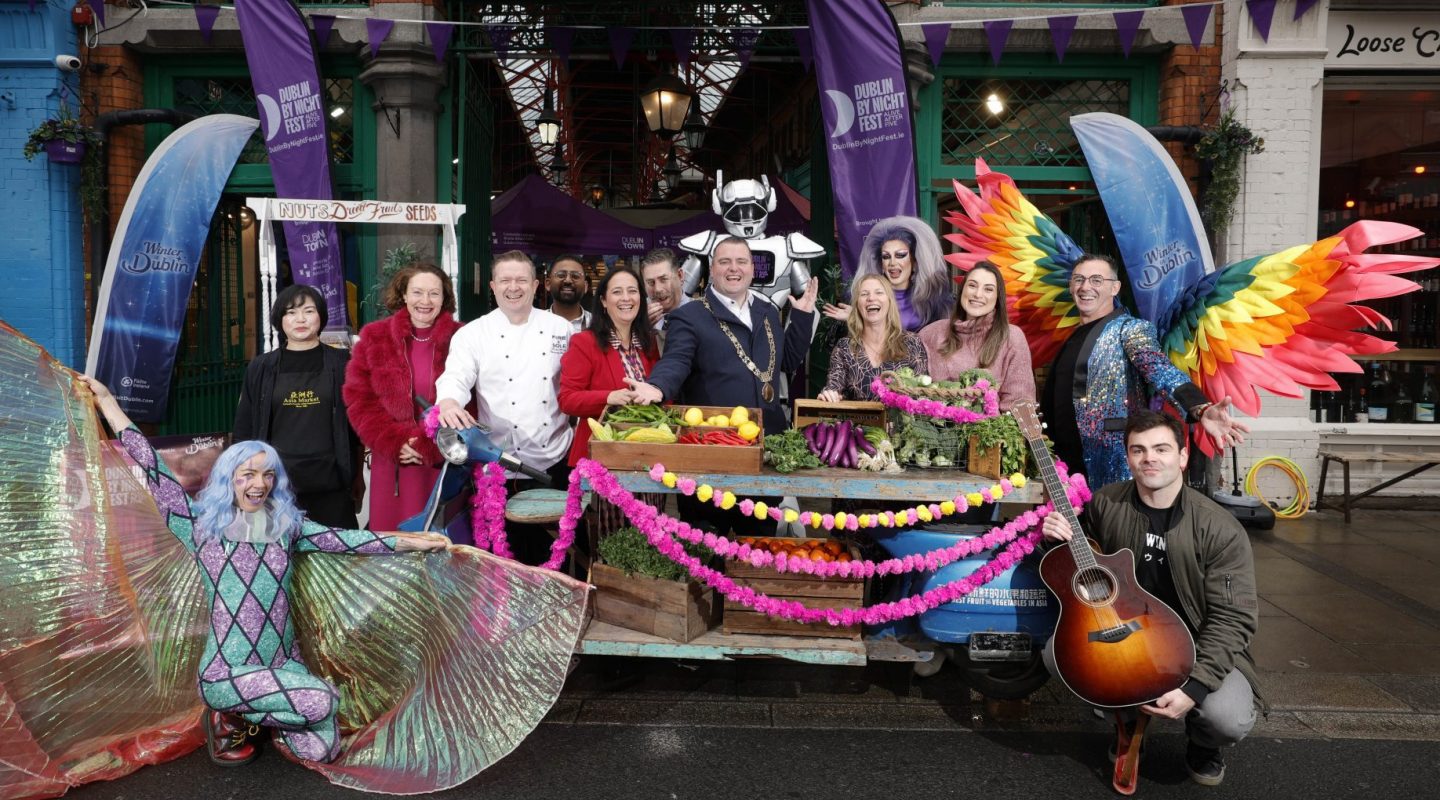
(782, 263)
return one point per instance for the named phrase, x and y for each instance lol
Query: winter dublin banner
(151, 267)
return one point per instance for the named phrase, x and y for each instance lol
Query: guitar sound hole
(1094, 585)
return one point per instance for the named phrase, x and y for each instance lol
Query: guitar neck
(1058, 496)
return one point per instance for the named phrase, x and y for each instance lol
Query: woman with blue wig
(906, 251)
(243, 530)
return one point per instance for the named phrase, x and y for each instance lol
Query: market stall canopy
(537, 218)
(791, 214)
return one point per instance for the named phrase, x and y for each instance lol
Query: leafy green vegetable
(627, 549)
(788, 452)
(647, 415)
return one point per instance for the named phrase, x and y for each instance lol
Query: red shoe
(229, 739)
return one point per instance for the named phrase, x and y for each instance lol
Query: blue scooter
(462, 450)
(995, 634)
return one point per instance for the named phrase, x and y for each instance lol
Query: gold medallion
(768, 393)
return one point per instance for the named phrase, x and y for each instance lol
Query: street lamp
(548, 125)
(694, 130)
(665, 103)
(672, 169)
(558, 164)
(597, 195)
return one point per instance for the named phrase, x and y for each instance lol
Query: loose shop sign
(1382, 40)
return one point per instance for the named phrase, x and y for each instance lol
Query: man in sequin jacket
(1110, 367)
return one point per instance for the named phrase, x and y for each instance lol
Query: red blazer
(378, 381)
(587, 377)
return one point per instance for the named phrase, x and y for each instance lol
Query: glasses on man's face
(1094, 281)
(898, 255)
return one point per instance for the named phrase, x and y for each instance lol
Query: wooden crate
(864, 412)
(684, 457)
(983, 462)
(808, 589)
(675, 610)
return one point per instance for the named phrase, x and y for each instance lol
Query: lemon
(740, 415)
(694, 416)
(719, 421)
(748, 431)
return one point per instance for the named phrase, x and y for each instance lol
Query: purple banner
(806, 47)
(1302, 6)
(861, 74)
(561, 40)
(377, 30)
(1061, 28)
(683, 40)
(205, 18)
(935, 37)
(1262, 13)
(1196, 18)
(996, 33)
(1127, 24)
(323, 24)
(620, 39)
(292, 114)
(440, 33)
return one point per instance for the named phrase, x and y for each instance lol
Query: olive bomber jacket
(1213, 567)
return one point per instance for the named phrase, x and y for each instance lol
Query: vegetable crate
(807, 589)
(861, 412)
(701, 458)
(984, 462)
(674, 610)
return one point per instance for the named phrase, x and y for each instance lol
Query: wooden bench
(1424, 458)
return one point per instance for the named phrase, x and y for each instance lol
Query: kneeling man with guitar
(1120, 645)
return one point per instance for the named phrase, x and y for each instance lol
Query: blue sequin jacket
(1118, 373)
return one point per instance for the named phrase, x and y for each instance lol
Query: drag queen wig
(931, 289)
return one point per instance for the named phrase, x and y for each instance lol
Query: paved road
(581, 762)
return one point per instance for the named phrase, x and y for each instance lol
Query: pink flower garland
(487, 507)
(990, 400)
(660, 529)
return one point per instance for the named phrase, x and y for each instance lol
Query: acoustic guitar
(1116, 645)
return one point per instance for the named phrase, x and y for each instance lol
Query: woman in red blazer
(618, 344)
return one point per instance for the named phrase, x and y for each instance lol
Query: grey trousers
(1222, 719)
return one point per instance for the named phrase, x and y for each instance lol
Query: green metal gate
(210, 362)
(473, 126)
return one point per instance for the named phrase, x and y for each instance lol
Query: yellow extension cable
(1300, 504)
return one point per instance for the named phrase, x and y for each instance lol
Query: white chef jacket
(514, 371)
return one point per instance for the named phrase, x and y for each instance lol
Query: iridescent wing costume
(424, 669)
(1281, 322)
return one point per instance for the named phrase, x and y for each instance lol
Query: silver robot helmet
(744, 205)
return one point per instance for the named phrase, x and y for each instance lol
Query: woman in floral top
(877, 343)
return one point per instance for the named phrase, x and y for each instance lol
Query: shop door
(474, 137)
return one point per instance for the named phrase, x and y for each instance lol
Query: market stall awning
(537, 218)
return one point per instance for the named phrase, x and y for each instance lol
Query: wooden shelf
(1403, 354)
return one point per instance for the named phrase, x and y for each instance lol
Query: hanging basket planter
(60, 151)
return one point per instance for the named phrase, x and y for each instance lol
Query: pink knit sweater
(1011, 368)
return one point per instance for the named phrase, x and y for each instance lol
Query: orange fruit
(843, 557)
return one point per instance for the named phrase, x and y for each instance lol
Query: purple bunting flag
(1262, 13)
(1127, 24)
(997, 31)
(1302, 6)
(1060, 30)
(500, 36)
(1196, 18)
(683, 40)
(205, 17)
(561, 40)
(323, 24)
(98, 6)
(743, 40)
(376, 30)
(440, 33)
(620, 39)
(935, 37)
(805, 46)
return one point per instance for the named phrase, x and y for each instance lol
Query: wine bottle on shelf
(1379, 395)
(1425, 405)
(1402, 407)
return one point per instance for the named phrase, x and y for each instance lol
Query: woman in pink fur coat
(977, 334)
(397, 359)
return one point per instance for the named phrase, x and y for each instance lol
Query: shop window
(1022, 122)
(1380, 159)
(203, 95)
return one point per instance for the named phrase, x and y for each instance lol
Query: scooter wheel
(1007, 680)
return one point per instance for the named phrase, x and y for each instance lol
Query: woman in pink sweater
(977, 334)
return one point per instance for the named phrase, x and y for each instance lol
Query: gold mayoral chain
(767, 392)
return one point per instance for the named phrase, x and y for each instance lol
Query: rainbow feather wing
(1000, 226)
(1285, 321)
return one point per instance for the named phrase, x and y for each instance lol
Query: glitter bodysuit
(251, 665)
